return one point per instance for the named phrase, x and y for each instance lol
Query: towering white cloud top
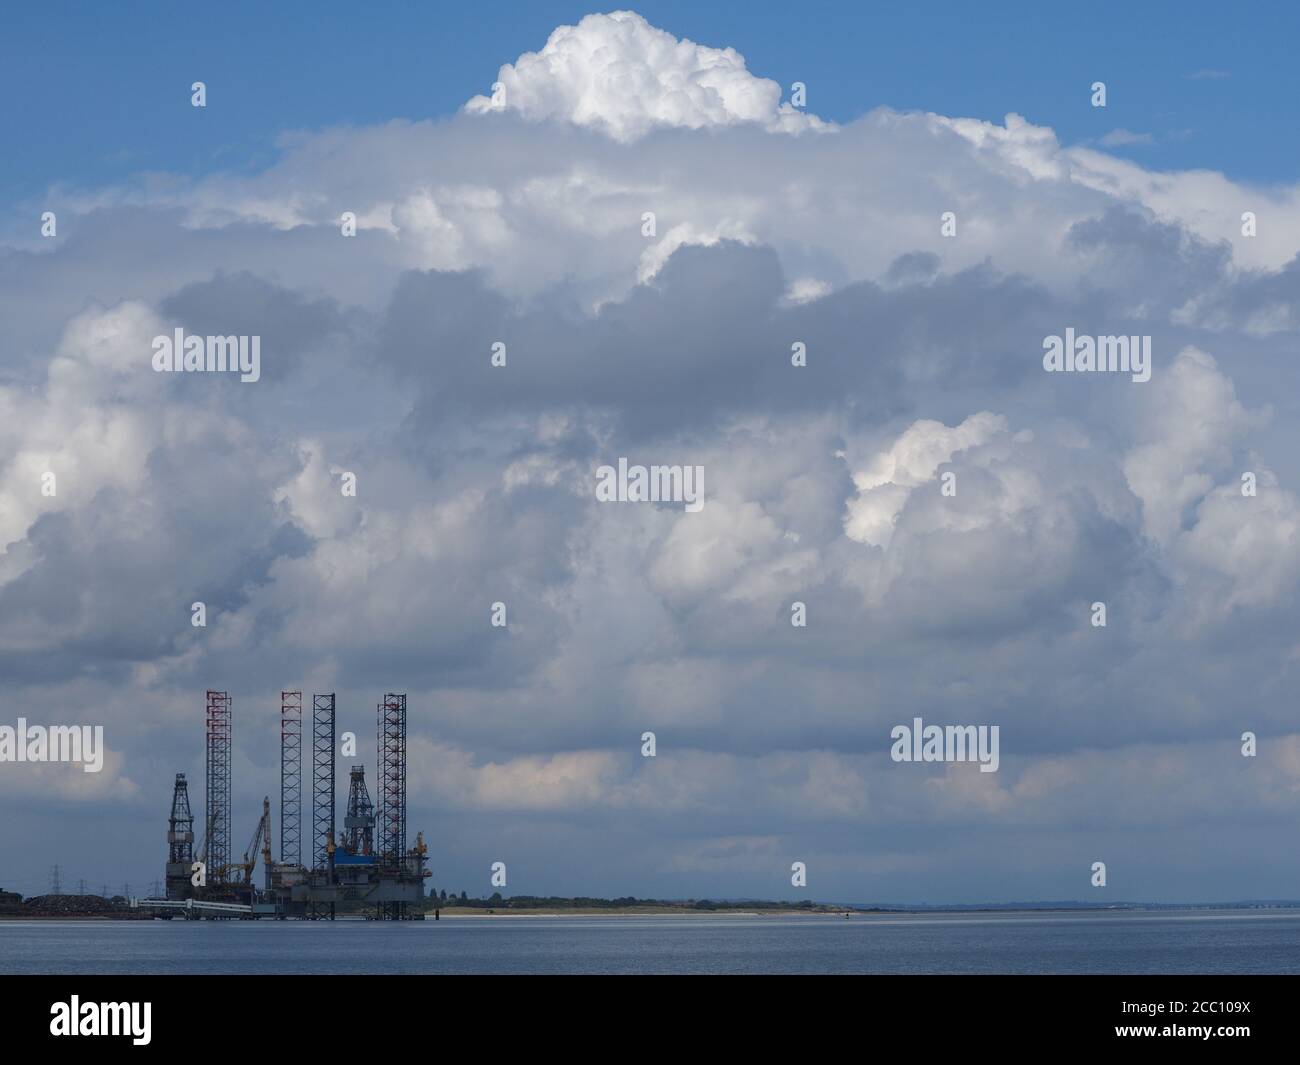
(619, 74)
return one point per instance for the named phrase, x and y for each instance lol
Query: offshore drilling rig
(362, 869)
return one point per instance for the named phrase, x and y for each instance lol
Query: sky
(1207, 83)
(650, 223)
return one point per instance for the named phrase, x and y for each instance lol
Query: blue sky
(119, 74)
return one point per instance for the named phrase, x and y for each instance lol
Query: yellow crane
(262, 835)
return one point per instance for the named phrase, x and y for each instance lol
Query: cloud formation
(618, 74)
(476, 485)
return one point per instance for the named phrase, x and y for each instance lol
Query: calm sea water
(1169, 942)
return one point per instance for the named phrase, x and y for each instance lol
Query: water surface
(1089, 942)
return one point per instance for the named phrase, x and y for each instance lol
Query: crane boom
(262, 835)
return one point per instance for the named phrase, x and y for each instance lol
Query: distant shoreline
(464, 911)
(848, 911)
(474, 912)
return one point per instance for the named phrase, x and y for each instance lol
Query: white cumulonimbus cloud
(621, 75)
(521, 222)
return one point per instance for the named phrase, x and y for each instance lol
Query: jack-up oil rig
(367, 871)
